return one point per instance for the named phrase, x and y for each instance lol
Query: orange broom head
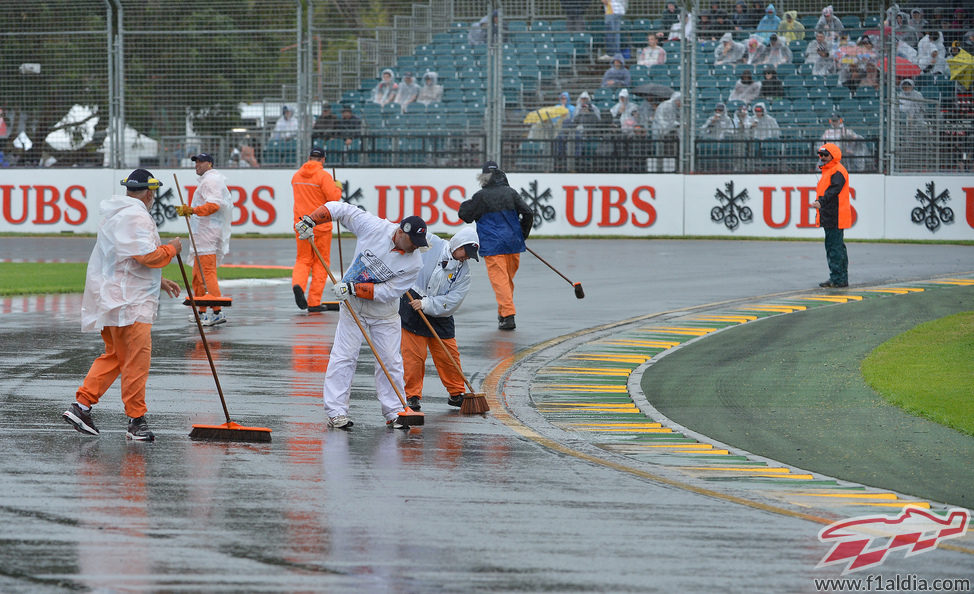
(410, 417)
(230, 432)
(209, 301)
(474, 404)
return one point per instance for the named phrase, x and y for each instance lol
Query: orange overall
(312, 187)
(204, 267)
(414, 349)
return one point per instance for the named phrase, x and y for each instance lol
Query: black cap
(490, 167)
(415, 228)
(471, 249)
(317, 152)
(202, 157)
(141, 179)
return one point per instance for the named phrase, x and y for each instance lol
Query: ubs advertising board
(916, 207)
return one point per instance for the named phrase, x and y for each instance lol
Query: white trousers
(386, 335)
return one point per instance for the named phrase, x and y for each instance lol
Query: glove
(343, 291)
(184, 211)
(339, 185)
(305, 227)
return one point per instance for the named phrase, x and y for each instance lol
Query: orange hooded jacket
(312, 186)
(835, 210)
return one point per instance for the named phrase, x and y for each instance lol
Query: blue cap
(202, 157)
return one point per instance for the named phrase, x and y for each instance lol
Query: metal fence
(116, 83)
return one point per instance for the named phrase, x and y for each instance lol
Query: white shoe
(192, 318)
(340, 422)
(213, 319)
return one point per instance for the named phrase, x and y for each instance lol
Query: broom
(579, 293)
(206, 300)
(474, 403)
(408, 417)
(229, 431)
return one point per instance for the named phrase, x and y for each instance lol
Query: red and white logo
(864, 541)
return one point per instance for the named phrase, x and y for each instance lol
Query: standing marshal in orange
(312, 187)
(834, 213)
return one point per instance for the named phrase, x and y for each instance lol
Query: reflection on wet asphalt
(461, 504)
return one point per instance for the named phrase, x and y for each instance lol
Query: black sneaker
(316, 308)
(413, 402)
(80, 419)
(138, 430)
(455, 400)
(299, 297)
(506, 323)
(830, 285)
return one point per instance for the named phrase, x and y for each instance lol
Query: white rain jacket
(667, 117)
(764, 127)
(212, 233)
(376, 261)
(118, 290)
(728, 51)
(444, 281)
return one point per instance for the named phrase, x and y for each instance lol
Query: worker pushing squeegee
(209, 229)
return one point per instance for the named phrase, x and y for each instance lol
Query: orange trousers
(414, 348)
(501, 270)
(128, 352)
(306, 261)
(208, 266)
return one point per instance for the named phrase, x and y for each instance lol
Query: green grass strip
(929, 371)
(31, 278)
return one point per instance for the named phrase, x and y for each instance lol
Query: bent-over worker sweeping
(384, 266)
(438, 291)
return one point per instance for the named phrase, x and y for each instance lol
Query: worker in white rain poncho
(122, 284)
(209, 213)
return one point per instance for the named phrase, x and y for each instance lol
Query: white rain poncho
(728, 51)
(212, 233)
(429, 90)
(911, 103)
(667, 117)
(718, 126)
(926, 60)
(408, 91)
(385, 91)
(745, 91)
(763, 127)
(118, 290)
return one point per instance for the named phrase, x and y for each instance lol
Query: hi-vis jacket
(835, 211)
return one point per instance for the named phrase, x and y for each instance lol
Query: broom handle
(360, 327)
(196, 254)
(442, 344)
(206, 347)
(338, 228)
(535, 254)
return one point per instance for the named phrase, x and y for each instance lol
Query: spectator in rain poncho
(967, 44)
(617, 76)
(547, 128)
(917, 21)
(756, 50)
(728, 51)
(430, 92)
(931, 53)
(762, 126)
(718, 126)
(408, 91)
(818, 53)
(769, 24)
(904, 31)
(478, 31)
(739, 120)
(847, 140)
(624, 113)
(911, 103)
(829, 24)
(746, 89)
(587, 119)
(384, 93)
(666, 120)
(286, 126)
(791, 28)
(777, 52)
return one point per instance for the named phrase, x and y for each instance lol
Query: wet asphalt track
(502, 503)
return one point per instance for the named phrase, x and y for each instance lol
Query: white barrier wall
(918, 207)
